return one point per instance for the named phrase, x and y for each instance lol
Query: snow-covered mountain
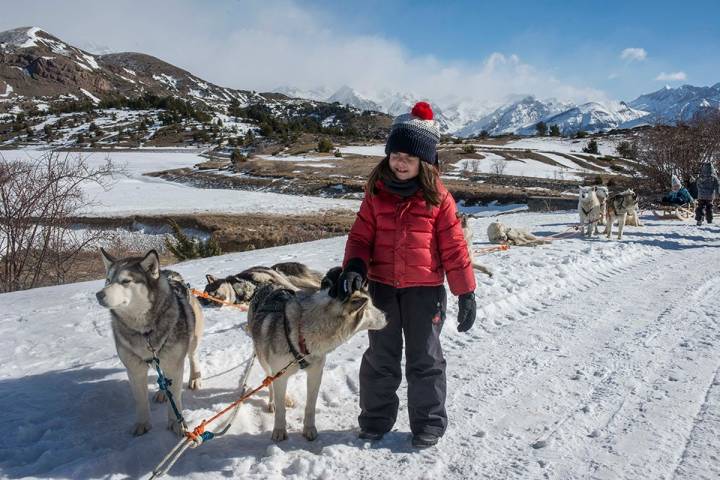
(592, 117)
(671, 105)
(521, 114)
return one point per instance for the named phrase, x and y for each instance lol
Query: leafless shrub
(38, 200)
(665, 150)
(498, 166)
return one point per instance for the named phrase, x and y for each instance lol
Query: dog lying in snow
(241, 287)
(502, 234)
(286, 325)
(468, 234)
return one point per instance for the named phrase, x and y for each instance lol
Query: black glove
(352, 278)
(466, 311)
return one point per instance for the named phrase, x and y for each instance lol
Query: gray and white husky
(152, 309)
(622, 206)
(241, 287)
(286, 325)
(468, 234)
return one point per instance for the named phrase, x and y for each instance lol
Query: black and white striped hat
(415, 133)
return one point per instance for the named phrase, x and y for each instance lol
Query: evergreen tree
(541, 128)
(554, 131)
(592, 147)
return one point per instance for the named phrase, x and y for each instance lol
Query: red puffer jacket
(405, 244)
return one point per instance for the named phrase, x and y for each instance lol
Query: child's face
(404, 166)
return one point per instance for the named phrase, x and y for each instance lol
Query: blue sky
(480, 50)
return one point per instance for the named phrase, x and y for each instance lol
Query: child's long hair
(427, 177)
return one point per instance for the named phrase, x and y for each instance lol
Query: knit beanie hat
(415, 133)
(675, 182)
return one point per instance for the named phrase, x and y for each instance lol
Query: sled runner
(674, 212)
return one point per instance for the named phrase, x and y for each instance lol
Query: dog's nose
(100, 296)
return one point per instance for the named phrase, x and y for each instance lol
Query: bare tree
(39, 199)
(499, 165)
(665, 150)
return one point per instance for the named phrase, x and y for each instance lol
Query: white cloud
(613, 76)
(633, 54)
(252, 44)
(671, 77)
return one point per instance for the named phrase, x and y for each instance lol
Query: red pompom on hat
(422, 110)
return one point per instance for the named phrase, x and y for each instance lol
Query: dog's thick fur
(240, 288)
(602, 193)
(325, 322)
(468, 234)
(149, 306)
(622, 206)
(589, 210)
(502, 234)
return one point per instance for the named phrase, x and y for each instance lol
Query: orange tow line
(499, 248)
(198, 293)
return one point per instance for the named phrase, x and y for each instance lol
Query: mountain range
(520, 115)
(38, 69)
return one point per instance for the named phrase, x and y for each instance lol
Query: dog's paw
(279, 435)
(289, 401)
(310, 433)
(175, 426)
(195, 383)
(160, 397)
(141, 428)
(270, 407)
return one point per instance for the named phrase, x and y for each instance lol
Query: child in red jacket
(405, 240)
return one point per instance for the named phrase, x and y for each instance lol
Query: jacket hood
(707, 169)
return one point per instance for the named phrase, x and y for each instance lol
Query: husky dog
(622, 206)
(502, 234)
(590, 210)
(152, 309)
(286, 326)
(240, 288)
(602, 193)
(468, 234)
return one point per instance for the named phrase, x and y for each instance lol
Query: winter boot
(424, 440)
(371, 436)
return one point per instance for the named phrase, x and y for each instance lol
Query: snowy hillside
(523, 114)
(592, 117)
(590, 359)
(678, 104)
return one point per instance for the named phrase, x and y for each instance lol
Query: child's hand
(351, 279)
(466, 311)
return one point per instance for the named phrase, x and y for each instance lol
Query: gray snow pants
(704, 206)
(418, 313)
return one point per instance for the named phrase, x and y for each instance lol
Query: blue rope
(164, 383)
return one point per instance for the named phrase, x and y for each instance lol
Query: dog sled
(674, 212)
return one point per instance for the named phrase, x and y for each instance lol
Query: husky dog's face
(360, 308)
(232, 290)
(586, 193)
(497, 231)
(127, 281)
(602, 192)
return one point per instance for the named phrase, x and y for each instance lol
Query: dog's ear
(151, 264)
(355, 303)
(330, 281)
(210, 278)
(108, 259)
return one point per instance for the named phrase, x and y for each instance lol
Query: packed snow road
(590, 359)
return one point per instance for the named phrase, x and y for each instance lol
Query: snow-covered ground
(590, 359)
(606, 146)
(137, 194)
(525, 167)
